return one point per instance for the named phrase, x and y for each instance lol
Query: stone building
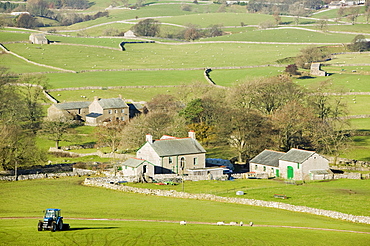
(172, 155)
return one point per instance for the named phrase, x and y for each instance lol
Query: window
(115, 111)
(264, 168)
(109, 111)
(170, 160)
(195, 161)
(122, 111)
(123, 118)
(297, 165)
(255, 167)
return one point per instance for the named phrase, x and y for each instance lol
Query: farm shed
(266, 162)
(209, 172)
(38, 38)
(71, 110)
(135, 167)
(172, 155)
(296, 164)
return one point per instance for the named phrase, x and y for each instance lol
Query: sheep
(220, 223)
(183, 222)
(233, 223)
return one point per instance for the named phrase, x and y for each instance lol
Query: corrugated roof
(268, 157)
(297, 155)
(134, 162)
(72, 105)
(112, 103)
(181, 146)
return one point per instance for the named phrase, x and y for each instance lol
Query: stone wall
(105, 183)
(75, 172)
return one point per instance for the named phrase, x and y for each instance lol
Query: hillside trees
(311, 54)
(147, 27)
(17, 130)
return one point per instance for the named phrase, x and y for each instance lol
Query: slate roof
(72, 105)
(134, 162)
(112, 103)
(93, 115)
(268, 157)
(177, 146)
(297, 155)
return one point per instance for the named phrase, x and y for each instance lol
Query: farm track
(197, 223)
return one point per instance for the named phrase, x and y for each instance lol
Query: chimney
(149, 138)
(120, 96)
(192, 134)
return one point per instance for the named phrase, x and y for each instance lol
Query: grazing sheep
(183, 222)
(251, 223)
(233, 223)
(220, 223)
(241, 223)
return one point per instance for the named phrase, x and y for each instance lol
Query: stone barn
(296, 164)
(38, 38)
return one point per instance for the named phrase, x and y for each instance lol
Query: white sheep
(233, 223)
(183, 222)
(220, 223)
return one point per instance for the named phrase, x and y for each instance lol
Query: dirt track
(199, 223)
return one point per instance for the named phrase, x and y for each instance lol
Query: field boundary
(106, 183)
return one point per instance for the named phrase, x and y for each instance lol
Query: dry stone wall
(113, 184)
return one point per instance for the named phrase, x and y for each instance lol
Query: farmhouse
(296, 164)
(105, 110)
(172, 155)
(316, 69)
(38, 38)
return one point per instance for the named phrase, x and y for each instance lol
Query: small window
(115, 111)
(122, 111)
(255, 167)
(264, 168)
(195, 161)
(170, 160)
(110, 111)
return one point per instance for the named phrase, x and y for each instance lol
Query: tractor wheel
(39, 226)
(54, 226)
(60, 225)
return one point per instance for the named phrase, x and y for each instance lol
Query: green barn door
(290, 172)
(277, 173)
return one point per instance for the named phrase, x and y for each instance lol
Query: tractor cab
(52, 221)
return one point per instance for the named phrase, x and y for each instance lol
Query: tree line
(273, 113)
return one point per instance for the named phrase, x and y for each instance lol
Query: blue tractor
(52, 221)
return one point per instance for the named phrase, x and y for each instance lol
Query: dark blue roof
(93, 115)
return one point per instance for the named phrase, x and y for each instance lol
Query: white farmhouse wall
(265, 169)
(132, 171)
(147, 153)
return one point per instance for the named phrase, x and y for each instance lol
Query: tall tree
(110, 134)
(247, 132)
(56, 130)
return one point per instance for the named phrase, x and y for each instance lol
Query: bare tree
(110, 134)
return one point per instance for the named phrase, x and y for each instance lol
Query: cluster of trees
(152, 28)
(359, 44)
(293, 7)
(20, 120)
(265, 113)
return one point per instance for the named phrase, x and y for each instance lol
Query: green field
(77, 201)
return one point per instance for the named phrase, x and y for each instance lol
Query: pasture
(77, 201)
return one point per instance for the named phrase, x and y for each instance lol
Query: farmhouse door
(277, 173)
(290, 172)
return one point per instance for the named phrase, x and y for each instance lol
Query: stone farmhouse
(38, 38)
(96, 112)
(296, 164)
(172, 155)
